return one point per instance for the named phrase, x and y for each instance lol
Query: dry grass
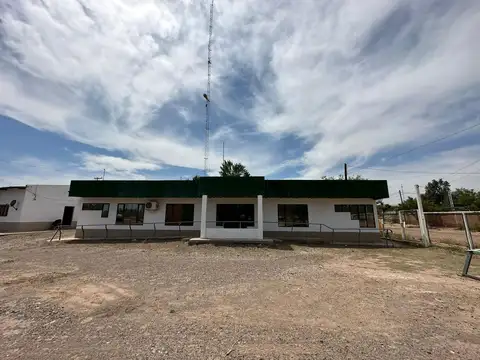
(171, 301)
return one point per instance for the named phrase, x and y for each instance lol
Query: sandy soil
(171, 301)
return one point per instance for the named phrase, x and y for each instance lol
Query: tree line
(436, 198)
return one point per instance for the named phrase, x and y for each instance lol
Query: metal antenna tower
(207, 95)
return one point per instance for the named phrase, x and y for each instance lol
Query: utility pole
(345, 171)
(223, 151)
(401, 198)
(403, 192)
(450, 200)
(103, 177)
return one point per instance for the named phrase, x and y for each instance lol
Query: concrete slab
(198, 241)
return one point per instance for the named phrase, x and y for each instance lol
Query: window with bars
(362, 213)
(130, 214)
(292, 215)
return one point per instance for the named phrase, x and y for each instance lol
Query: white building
(230, 208)
(36, 207)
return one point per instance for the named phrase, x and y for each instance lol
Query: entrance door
(67, 215)
(235, 215)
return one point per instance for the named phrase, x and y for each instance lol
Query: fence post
(421, 219)
(468, 234)
(402, 225)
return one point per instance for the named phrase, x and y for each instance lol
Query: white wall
(89, 217)
(46, 203)
(320, 211)
(6, 196)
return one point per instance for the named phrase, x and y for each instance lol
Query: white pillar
(260, 216)
(375, 215)
(421, 219)
(203, 218)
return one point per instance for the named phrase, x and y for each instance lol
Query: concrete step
(198, 241)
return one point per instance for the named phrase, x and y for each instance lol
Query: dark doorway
(235, 215)
(67, 215)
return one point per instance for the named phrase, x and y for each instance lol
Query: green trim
(134, 188)
(333, 189)
(230, 187)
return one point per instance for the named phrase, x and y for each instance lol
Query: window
(130, 214)
(4, 209)
(105, 210)
(179, 214)
(235, 216)
(362, 213)
(92, 206)
(292, 215)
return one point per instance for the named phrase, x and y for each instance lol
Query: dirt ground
(439, 235)
(172, 301)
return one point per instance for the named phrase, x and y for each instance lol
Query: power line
(422, 145)
(466, 166)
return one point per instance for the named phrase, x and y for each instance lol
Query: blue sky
(298, 88)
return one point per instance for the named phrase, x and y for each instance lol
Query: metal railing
(167, 226)
(183, 227)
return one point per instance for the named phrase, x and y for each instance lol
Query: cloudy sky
(299, 87)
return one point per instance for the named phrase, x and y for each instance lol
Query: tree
(196, 178)
(436, 193)
(408, 204)
(467, 199)
(228, 168)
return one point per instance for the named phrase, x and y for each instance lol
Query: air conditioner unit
(151, 205)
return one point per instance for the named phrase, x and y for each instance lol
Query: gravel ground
(438, 235)
(172, 301)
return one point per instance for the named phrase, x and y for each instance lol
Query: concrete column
(375, 215)
(203, 218)
(260, 216)
(421, 219)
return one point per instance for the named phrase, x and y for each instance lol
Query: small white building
(36, 207)
(230, 208)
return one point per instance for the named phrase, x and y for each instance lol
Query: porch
(231, 218)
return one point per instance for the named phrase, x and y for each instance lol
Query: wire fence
(446, 227)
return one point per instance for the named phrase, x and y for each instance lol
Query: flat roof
(230, 187)
(13, 187)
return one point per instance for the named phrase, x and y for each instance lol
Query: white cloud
(349, 78)
(115, 166)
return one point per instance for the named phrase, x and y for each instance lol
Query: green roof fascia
(134, 188)
(231, 187)
(369, 189)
